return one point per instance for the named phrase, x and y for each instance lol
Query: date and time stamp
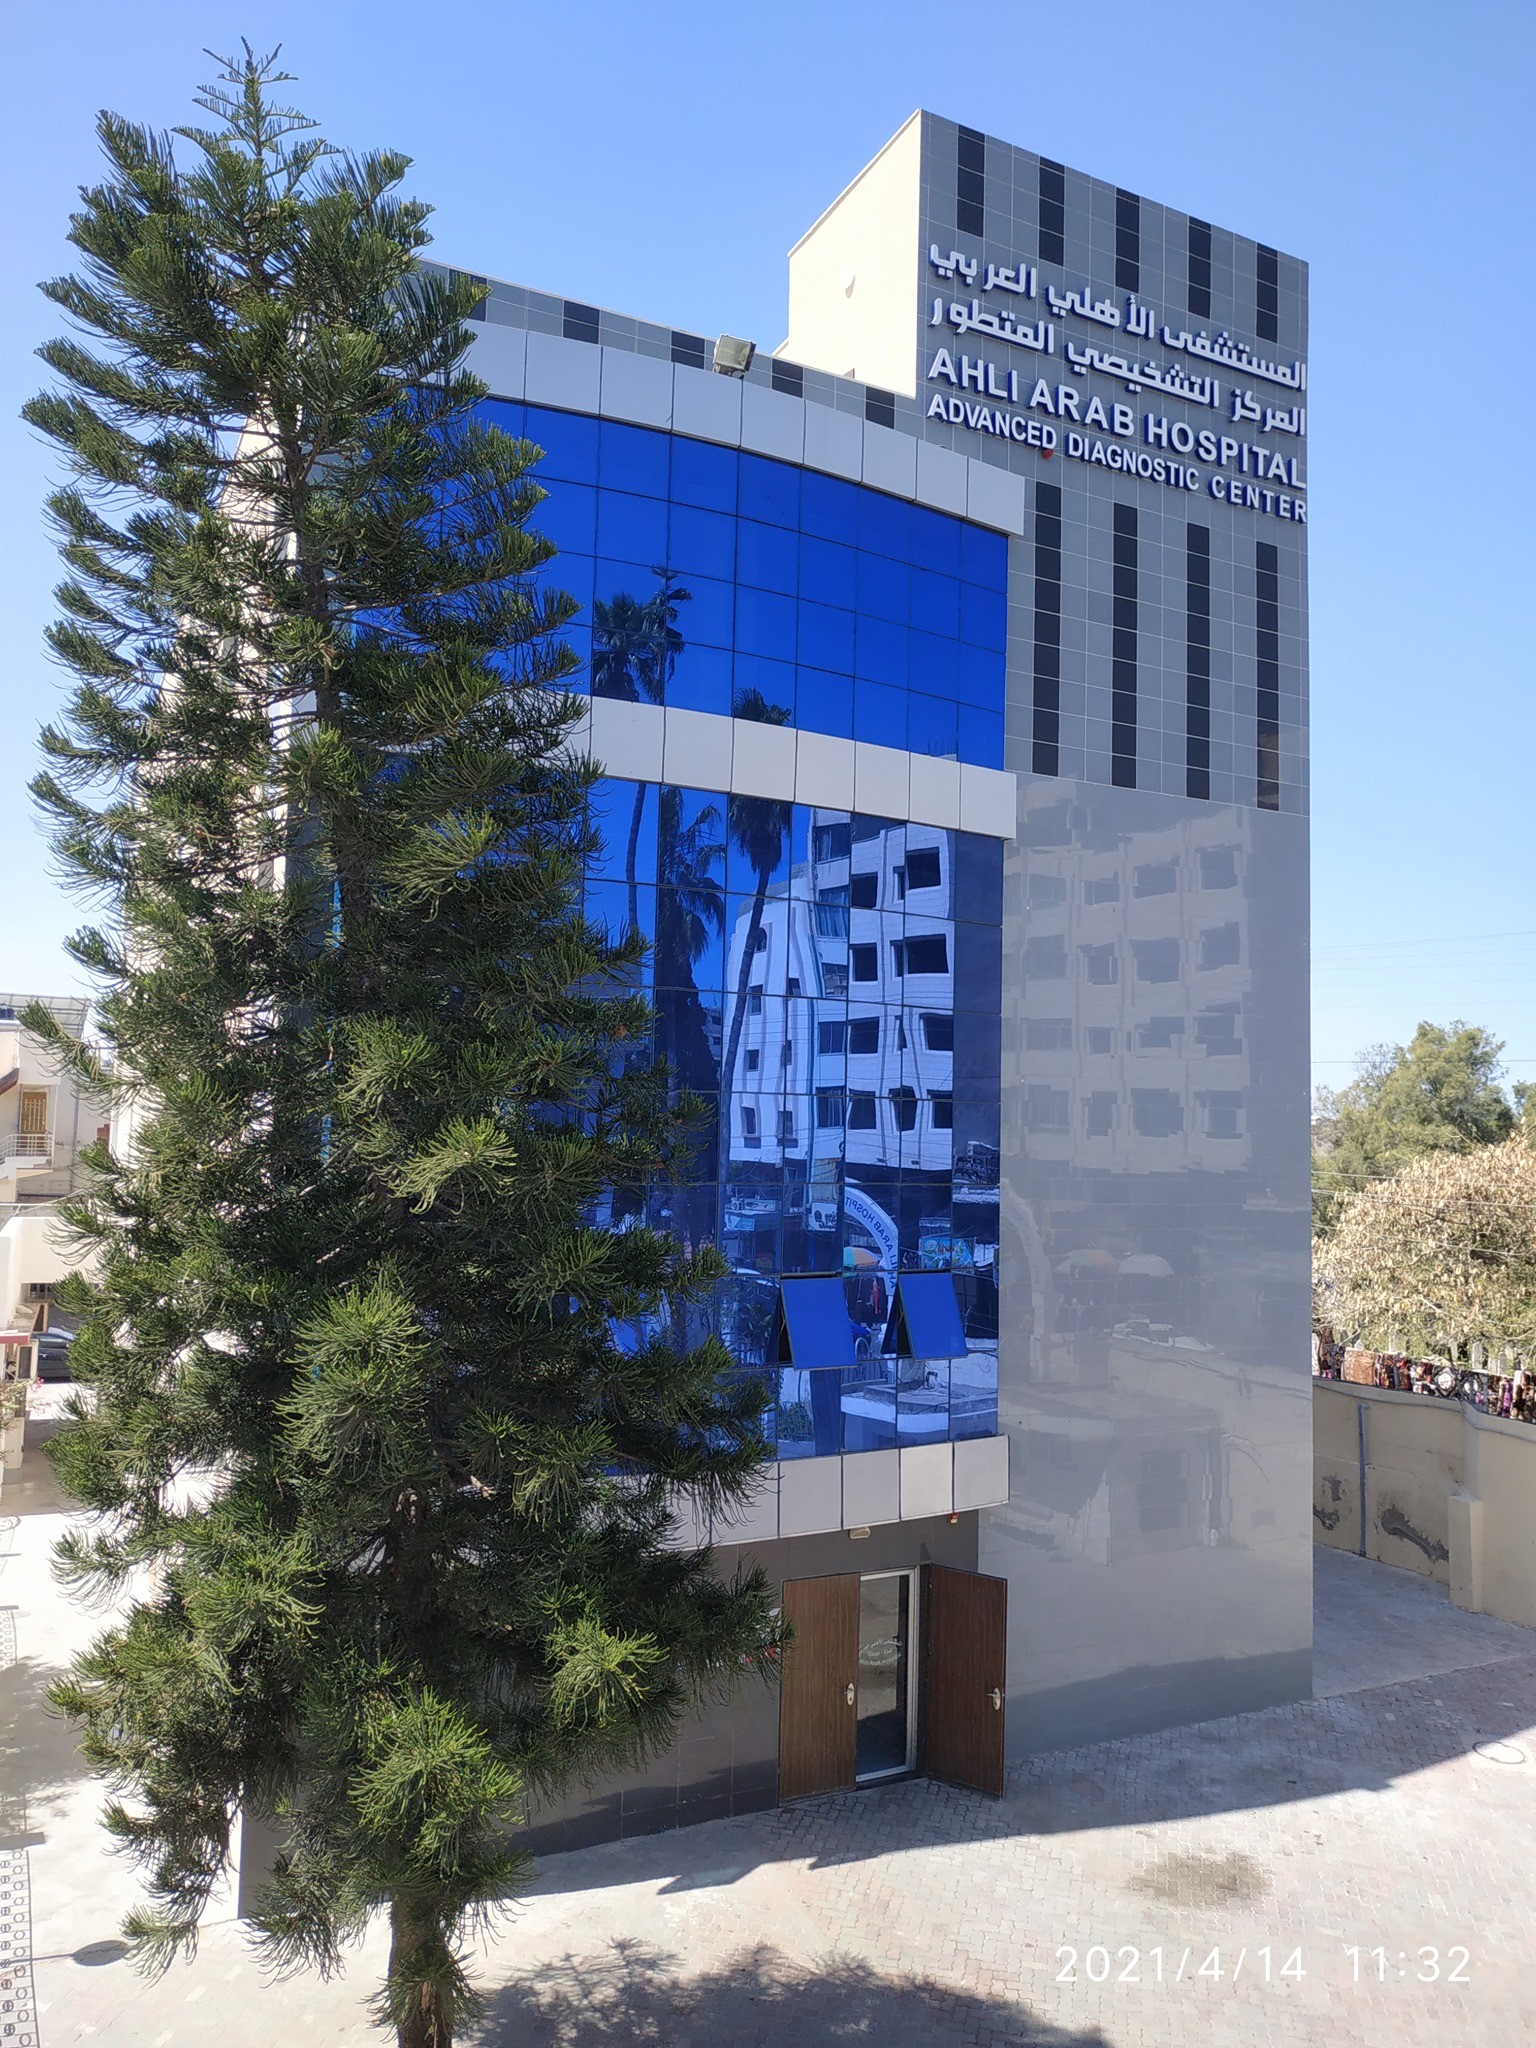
(1348, 1963)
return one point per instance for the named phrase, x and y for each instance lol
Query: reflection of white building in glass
(847, 1041)
(1128, 1015)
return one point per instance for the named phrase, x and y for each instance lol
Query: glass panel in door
(884, 1703)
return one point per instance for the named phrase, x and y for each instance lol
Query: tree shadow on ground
(757, 1999)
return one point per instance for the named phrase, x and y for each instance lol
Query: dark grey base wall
(726, 1761)
(1148, 1697)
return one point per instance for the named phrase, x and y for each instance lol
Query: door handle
(996, 1697)
(850, 1695)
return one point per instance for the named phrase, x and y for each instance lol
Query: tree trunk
(632, 857)
(426, 2020)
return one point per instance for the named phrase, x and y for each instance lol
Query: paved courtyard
(1277, 1878)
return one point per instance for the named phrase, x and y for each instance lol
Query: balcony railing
(882, 1403)
(31, 1145)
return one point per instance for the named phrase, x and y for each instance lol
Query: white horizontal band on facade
(857, 1490)
(738, 757)
(580, 376)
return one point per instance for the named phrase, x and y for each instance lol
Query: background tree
(1439, 1093)
(1439, 1256)
(359, 1400)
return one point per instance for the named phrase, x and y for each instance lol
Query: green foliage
(1438, 1093)
(357, 1395)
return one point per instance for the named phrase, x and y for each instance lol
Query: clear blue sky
(662, 159)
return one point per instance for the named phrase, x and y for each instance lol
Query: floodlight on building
(733, 357)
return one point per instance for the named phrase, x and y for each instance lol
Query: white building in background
(46, 1120)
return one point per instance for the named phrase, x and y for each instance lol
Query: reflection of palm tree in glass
(690, 912)
(635, 646)
(760, 827)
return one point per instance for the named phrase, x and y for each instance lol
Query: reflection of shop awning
(925, 1318)
(1090, 1262)
(811, 1327)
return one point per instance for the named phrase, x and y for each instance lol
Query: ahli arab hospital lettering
(965, 374)
(1138, 319)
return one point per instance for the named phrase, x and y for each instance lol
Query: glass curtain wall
(728, 582)
(827, 984)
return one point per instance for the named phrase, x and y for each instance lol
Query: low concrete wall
(1448, 1492)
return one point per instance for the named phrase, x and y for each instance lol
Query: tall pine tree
(362, 1395)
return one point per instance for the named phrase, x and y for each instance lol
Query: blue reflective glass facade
(829, 986)
(820, 603)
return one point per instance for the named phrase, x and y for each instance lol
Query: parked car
(53, 1355)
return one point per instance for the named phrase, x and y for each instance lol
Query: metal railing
(882, 1403)
(31, 1145)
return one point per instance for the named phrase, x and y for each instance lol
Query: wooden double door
(887, 1672)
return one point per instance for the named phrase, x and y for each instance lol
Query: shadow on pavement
(758, 1999)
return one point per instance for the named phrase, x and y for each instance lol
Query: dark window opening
(864, 890)
(1053, 212)
(1267, 621)
(1267, 296)
(971, 183)
(1197, 661)
(1223, 1115)
(1123, 654)
(1156, 959)
(1156, 1113)
(1156, 878)
(1101, 966)
(880, 408)
(1200, 269)
(864, 962)
(691, 350)
(926, 955)
(1218, 867)
(579, 322)
(1047, 1109)
(904, 1108)
(1127, 241)
(787, 377)
(861, 1112)
(938, 1031)
(864, 1033)
(1046, 756)
(922, 868)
